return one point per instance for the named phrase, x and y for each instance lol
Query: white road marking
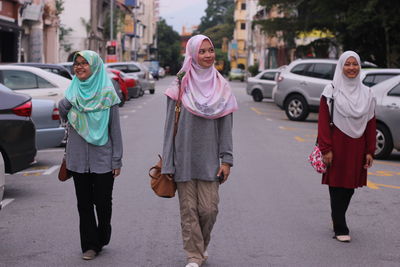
(133, 111)
(140, 106)
(6, 201)
(51, 170)
(125, 116)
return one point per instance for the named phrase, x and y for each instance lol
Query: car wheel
(121, 104)
(296, 108)
(141, 93)
(257, 95)
(152, 91)
(384, 142)
(230, 79)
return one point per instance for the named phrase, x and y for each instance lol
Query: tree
(218, 21)
(168, 43)
(370, 27)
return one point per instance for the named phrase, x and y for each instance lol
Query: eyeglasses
(80, 64)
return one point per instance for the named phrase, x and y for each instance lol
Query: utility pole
(111, 20)
(93, 36)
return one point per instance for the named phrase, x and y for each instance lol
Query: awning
(8, 26)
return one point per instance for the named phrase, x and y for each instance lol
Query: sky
(178, 13)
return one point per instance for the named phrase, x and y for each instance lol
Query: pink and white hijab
(206, 93)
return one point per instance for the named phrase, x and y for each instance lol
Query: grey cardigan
(201, 145)
(83, 157)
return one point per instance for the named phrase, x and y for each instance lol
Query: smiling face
(206, 56)
(351, 68)
(82, 68)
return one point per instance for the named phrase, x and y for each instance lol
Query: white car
(370, 77)
(37, 83)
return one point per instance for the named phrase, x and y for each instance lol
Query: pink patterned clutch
(315, 160)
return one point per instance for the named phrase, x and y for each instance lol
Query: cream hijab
(206, 93)
(354, 102)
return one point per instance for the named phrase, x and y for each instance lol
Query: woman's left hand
(116, 172)
(368, 161)
(224, 171)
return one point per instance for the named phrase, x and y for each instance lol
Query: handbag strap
(178, 108)
(332, 102)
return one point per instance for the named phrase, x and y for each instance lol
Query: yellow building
(238, 48)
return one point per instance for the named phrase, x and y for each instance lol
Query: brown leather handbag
(64, 174)
(163, 185)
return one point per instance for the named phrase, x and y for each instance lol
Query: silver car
(370, 77)
(387, 116)
(45, 116)
(136, 70)
(300, 84)
(2, 179)
(261, 85)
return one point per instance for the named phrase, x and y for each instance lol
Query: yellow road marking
(295, 129)
(373, 185)
(257, 111)
(384, 173)
(300, 139)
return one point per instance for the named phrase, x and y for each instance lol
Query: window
(243, 6)
(243, 26)
(133, 68)
(322, 71)
(395, 91)
(270, 76)
(383, 77)
(119, 67)
(42, 83)
(17, 80)
(300, 69)
(369, 80)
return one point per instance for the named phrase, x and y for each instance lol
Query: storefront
(9, 31)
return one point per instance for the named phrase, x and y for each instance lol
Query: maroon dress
(347, 169)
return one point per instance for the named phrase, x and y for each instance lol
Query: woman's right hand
(327, 158)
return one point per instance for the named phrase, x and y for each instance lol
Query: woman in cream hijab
(348, 145)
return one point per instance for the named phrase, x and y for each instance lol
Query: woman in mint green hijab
(94, 147)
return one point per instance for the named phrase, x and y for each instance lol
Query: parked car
(17, 131)
(53, 68)
(129, 86)
(136, 70)
(370, 77)
(2, 180)
(161, 72)
(300, 84)
(45, 116)
(153, 66)
(261, 85)
(387, 114)
(68, 66)
(37, 83)
(118, 91)
(237, 74)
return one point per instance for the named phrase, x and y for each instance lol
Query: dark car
(17, 131)
(53, 68)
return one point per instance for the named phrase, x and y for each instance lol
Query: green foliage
(168, 43)
(218, 32)
(118, 22)
(253, 69)
(64, 42)
(59, 7)
(217, 12)
(370, 27)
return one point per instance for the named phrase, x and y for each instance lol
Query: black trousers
(94, 192)
(340, 200)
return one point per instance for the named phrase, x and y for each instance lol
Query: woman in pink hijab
(200, 157)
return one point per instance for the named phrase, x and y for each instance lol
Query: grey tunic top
(83, 157)
(201, 145)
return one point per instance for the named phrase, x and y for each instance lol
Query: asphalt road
(273, 210)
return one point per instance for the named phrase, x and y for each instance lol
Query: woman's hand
(327, 158)
(368, 161)
(224, 171)
(116, 172)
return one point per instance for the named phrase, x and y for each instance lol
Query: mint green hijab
(91, 101)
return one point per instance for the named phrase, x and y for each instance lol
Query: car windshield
(236, 70)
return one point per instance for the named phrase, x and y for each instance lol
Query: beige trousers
(198, 201)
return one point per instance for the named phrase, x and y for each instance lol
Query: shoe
(192, 264)
(89, 255)
(205, 254)
(343, 238)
